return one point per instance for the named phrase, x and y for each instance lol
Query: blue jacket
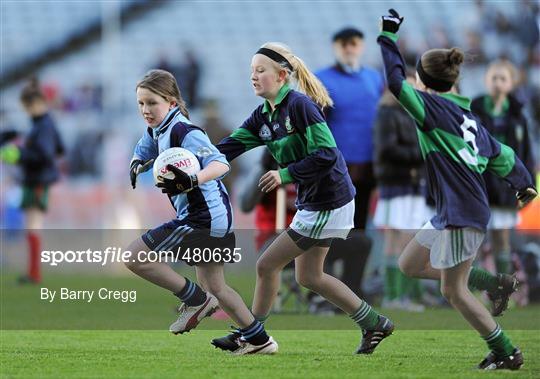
(351, 119)
(38, 155)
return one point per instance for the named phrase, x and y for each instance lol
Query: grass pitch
(121, 340)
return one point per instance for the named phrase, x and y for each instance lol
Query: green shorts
(35, 197)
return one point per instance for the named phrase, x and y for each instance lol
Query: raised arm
(394, 67)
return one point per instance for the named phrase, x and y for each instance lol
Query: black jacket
(39, 153)
(512, 131)
(398, 160)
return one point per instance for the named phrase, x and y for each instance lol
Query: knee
(406, 267)
(216, 289)
(452, 294)
(264, 268)
(308, 280)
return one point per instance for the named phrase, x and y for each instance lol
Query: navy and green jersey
(456, 147)
(297, 136)
(207, 206)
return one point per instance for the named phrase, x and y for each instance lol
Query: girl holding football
(204, 214)
(457, 150)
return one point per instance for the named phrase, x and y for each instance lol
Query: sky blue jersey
(207, 206)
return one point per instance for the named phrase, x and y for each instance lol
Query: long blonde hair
(307, 81)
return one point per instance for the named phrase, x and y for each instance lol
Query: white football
(182, 158)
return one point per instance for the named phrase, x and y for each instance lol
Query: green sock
(482, 280)
(414, 288)
(499, 343)
(365, 316)
(391, 278)
(402, 284)
(502, 262)
(390, 283)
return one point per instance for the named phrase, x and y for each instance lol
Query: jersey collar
(167, 121)
(460, 101)
(283, 91)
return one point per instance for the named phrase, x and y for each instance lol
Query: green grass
(302, 354)
(112, 339)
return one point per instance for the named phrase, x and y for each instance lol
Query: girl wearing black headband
(292, 126)
(457, 150)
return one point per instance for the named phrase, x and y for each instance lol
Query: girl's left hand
(270, 181)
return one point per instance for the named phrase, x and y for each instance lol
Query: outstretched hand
(392, 22)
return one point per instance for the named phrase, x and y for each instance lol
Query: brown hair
(443, 64)
(164, 84)
(31, 92)
(307, 81)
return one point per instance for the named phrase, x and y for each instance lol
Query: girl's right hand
(392, 22)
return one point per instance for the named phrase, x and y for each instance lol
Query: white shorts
(334, 223)
(449, 247)
(408, 212)
(503, 218)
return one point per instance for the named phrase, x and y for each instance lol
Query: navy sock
(255, 333)
(191, 295)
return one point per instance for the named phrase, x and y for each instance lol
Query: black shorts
(192, 246)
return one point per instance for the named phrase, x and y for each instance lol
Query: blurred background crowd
(89, 55)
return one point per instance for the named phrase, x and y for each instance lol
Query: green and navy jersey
(298, 138)
(456, 147)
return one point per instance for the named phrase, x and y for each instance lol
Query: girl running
(457, 149)
(502, 115)
(37, 158)
(204, 215)
(292, 125)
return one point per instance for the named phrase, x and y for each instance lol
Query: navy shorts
(190, 245)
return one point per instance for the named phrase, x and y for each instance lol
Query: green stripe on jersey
(319, 136)
(503, 164)
(412, 102)
(452, 146)
(248, 139)
(288, 149)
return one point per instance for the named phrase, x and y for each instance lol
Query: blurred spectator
(37, 159)
(188, 76)
(264, 204)
(355, 90)
(525, 28)
(502, 115)
(212, 123)
(475, 48)
(401, 208)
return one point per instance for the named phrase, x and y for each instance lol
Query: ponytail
(309, 84)
(307, 81)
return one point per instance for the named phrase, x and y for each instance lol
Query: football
(182, 158)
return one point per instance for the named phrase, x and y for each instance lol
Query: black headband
(276, 57)
(431, 82)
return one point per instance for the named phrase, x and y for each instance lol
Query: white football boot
(190, 317)
(270, 347)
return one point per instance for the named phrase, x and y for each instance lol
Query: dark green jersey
(456, 147)
(296, 134)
